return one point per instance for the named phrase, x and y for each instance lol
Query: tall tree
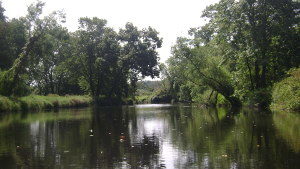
(110, 60)
(98, 49)
(12, 81)
(257, 41)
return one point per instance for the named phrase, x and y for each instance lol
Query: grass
(286, 93)
(36, 102)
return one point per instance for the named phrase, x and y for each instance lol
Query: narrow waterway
(150, 136)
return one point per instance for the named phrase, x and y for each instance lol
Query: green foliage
(260, 97)
(161, 96)
(109, 62)
(185, 94)
(146, 90)
(37, 53)
(198, 66)
(8, 104)
(140, 99)
(245, 47)
(35, 102)
(222, 101)
(8, 86)
(286, 93)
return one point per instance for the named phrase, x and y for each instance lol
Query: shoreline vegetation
(246, 54)
(285, 96)
(37, 103)
(286, 93)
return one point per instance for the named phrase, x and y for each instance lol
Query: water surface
(150, 136)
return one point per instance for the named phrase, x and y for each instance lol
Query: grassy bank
(286, 93)
(36, 102)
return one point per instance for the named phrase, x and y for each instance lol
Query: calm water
(150, 136)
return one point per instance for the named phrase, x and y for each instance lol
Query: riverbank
(36, 102)
(286, 93)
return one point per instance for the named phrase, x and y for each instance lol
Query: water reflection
(149, 136)
(287, 125)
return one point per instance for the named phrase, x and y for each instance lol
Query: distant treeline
(39, 55)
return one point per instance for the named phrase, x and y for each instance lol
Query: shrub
(162, 96)
(8, 87)
(7, 104)
(185, 94)
(222, 101)
(286, 93)
(260, 97)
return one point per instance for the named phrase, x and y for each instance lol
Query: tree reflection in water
(150, 136)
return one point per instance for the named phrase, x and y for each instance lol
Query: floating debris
(224, 155)
(66, 151)
(91, 135)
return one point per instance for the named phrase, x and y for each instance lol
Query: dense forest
(245, 49)
(40, 56)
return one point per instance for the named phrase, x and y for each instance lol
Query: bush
(185, 94)
(261, 98)
(203, 98)
(162, 96)
(222, 101)
(8, 104)
(286, 93)
(8, 87)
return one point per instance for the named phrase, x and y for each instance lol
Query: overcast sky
(171, 18)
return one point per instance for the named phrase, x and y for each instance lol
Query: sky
(171, 18)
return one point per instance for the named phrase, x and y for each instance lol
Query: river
(150, 136)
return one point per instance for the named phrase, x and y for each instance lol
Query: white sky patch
(171, 18)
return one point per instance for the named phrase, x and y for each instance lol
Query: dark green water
(150, 136)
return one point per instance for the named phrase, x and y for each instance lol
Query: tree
(12, 81)
(98, 51)
(109, 60)
(263, 40)
(139, 55)
(202, 66)
(244, 48)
